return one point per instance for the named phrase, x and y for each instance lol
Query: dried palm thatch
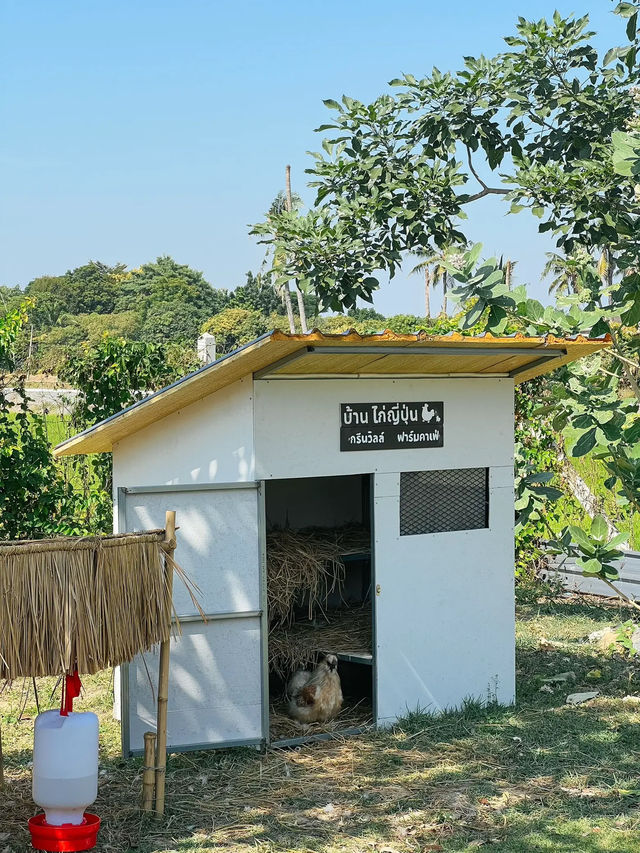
(88, 602)
(300, 644)
(304, 566)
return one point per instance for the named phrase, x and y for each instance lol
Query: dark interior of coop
(319, 594)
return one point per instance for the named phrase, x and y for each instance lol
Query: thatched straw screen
(91, 602)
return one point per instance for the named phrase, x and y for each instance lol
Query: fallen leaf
(579, 698)
(561, 676)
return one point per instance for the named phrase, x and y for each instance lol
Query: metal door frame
(125, 731)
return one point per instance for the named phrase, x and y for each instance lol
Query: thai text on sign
(391, 426)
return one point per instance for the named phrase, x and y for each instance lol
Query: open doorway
(319, 594)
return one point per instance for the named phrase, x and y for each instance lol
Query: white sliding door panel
(444, 607)
(216, 678)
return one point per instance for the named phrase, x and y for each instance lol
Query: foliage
(173, 299)
(35, 500)
(92, 288)
(114, 374)
(159, 302)
(390, 180)
(110, 376)
(596, 553)
(536, 468)
(234, 327)
(557, 127)
(624, 637)
(257, 294)
(366, 314)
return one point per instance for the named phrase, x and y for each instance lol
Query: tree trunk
(301, 309)
(427, 292)
(507, 274)
(444, 294)
(286, 293)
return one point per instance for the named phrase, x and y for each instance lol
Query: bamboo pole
(148, 771)
(163, 675)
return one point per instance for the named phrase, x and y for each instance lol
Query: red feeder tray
(66, 838)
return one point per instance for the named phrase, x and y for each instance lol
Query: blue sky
(134, 128)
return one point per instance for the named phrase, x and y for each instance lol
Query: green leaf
(583, 421)
(474, 314)
(331, 104)
(590, 567)
(548, 492)
(580, 538)
(473, 255)
(599, 528)
(618, 539)
(585, 443)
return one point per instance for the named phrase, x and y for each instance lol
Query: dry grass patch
(541, 777)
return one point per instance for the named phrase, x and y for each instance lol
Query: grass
(542, 776)
(594, 474)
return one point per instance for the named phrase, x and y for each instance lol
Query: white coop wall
(216, 673)
(297, 425)
(444, 615)
(444, 603)
(208, 442)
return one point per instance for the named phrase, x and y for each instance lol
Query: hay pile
(300, 644)
(90, 602)
(352, 717)
(304, 566)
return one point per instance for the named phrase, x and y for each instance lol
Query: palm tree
(567, 270)
(288, 201)
(507, 267)
(301, 311)
(434, 270)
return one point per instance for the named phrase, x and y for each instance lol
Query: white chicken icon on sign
(429, 414)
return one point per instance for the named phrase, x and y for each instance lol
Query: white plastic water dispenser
(65, 765)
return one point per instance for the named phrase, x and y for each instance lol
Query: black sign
(391, 426)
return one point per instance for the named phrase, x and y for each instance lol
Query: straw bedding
(304, 566)
(90, 602)
(352, 716)
(300, 644)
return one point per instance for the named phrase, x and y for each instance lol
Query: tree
(234, 327)
(92, 288)
(559, 128)
(434, 267)
(567, 270)
(164, 290)
(110, 375)
(256, 294)
(286, 204)
(301, 308)
(35, 500)
(534, 125)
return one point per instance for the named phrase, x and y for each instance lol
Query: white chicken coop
(400, 448)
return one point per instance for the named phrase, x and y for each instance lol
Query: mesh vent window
(440, 501)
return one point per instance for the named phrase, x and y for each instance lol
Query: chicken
(315, 697)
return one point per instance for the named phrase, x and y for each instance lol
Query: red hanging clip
(70, 689)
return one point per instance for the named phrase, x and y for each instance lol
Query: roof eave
(101, 437)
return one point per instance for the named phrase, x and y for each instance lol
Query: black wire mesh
(440, 501)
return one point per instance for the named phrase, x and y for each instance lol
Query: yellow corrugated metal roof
(278, 355)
